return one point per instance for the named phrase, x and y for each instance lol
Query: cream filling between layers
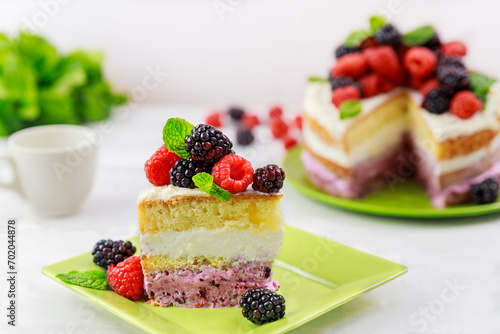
(243, 244)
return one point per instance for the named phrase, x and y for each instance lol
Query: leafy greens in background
(40, 86)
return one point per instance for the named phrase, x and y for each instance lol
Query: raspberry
(278, 127)
(437, 101)
(288, 142)
(455, 48)
(275, 111)
(250, 121)
(384, 60)
(420, 61)
(236, 113)
(343, 50)
(181, 175)
(268, 179)
(433, 43)
(374, 84)
(388, 35)
(126, 278)
(214, 119)
(261, 306)
(340, 95)
(426, 87)
(351, 65)
(453, 77)
(233, 173)
(485, 192)
(244, 136)
(368, 43)
(157, 168)
(108, 252)
(297, 122)
(339, 82)
(465, 104)
(206, 143)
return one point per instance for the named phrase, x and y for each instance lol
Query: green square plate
(316, 276)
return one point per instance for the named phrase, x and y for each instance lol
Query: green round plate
(406, 199)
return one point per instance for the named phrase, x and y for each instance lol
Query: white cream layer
(248, 245)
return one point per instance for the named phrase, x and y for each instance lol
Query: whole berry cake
(396, 106)
(207, 237)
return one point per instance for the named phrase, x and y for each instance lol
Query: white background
(258, 54)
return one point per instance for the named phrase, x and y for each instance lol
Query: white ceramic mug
(54, 166)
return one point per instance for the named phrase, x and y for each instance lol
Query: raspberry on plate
(465, 104)
(214, 119)
(420, 61)
(157, 168)
(374, 84)
(279, 128)
(289, 142)
(384, 60)
(351, 65)
(250, 121)
(233, 173)
(346, 93)
(454, 48)
(275, 111)
(126, 278)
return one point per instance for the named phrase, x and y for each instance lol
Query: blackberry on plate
(268, 179)
(433, 43)
(236, 113)
(244, 136)
(437, 101)
(339, 82)
(454, 77)
(107, 252)
(181, 175)
(206, 143)
(485, 192)
(261, 306)
(343, 50)
(388, 35)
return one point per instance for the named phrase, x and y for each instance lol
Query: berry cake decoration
(396, 106)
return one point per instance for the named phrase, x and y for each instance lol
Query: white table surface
(439, 253)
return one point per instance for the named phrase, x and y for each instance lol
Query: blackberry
(343, 50)
(339, 82)
(244, 136)
(206, 143)
(261, 306)
(445, 60)
(437, 101)
(453, 77)
(388, 35)
(181, 175)
(433, 43)
(485, 192)
(236, 113)
(108, 252)
(268, 179)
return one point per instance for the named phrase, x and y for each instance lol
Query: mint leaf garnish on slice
(205, 182)
(419, 36)
(94, 279)
(480, 84)
(356, 37)
(174, 133)
(317, 79)
(349, 109)
(377, 22)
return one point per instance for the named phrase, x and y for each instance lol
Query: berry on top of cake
(396, 99)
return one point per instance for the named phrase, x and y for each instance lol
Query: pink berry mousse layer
(206, 287)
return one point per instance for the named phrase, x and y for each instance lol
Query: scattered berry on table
(108, 252)
(126, 278)
(388, 35)
(268, 179)
(343, 50)
(233, 173)
(453, 77)
(339, 82)
(250, 121)
(297, 122)
(433, 43)
(261, 306)
(244, 136)
(181, 175)
(275, 111)
(485, 192)
(206, 143)
(236, 113)
(351, 65)
(454, 48)
(437, 101)
(289, 142)
(157, 168)
(214, 119)
(420, 61)
(374, 84)
(384, 60)
(426, 87)
(465, 104)
(279, 128)
(346, 93)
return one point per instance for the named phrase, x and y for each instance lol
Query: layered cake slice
(399, 106)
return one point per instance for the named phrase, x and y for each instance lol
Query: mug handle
(13, 184)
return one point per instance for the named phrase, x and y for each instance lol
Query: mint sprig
(419, 36)
(349, 109)
(356, 37)
(317, 79)
(205, 182)
(480, 84)
(377, 22)
(94, 279)
(174, 132)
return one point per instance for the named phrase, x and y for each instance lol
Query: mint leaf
(480, 84)
(349, 109)
(174, 133)
(377, 22)
(418, 36)
(356, 37)
(94, 279)
(205, 182)
(317, 79)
